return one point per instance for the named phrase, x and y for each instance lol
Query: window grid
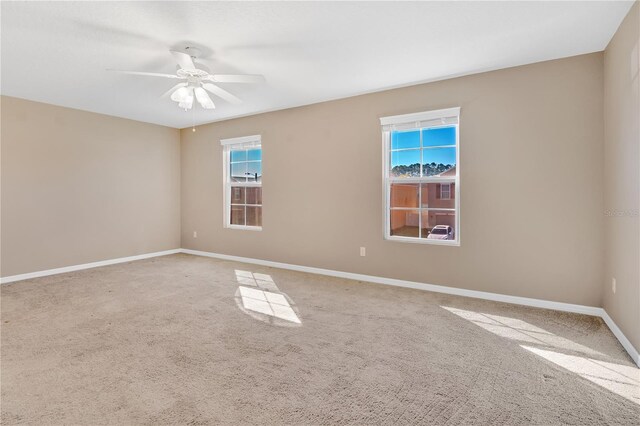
(422, 179)
(239, 210)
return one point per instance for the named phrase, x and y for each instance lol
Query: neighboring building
(432, 196)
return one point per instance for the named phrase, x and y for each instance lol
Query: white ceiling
(309, 52)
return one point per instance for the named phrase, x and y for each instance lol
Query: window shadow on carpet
(259, 296)
(592, 365)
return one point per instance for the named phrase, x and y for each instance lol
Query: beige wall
(622, 176)
(79, 187)
(531, 184)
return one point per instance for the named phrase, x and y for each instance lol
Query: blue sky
(430, 137)
(239, 169)
(246, 155)
(246, 161)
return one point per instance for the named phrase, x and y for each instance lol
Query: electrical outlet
(363, 251)
(613, 285)
(195, 234)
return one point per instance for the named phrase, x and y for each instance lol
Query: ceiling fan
(197, 82)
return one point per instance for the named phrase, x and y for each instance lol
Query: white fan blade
(170, 91)
(203, 98)
(221, 93)
(183, 60)
(238, 78)
(152, 74)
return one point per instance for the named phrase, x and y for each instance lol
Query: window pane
(239, 172)
(254, 196)
(254, 171)
(237, 195)
(438, 225)
(254, 154)
(400, 140)
(439, 136)
(405, 163)
(404, 195)
(432, 196)
(439, 162)
(237, 215)
(405, 223)
(254, 216)
(238, 155)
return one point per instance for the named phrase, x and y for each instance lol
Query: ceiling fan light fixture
(197, 83)
(180, 95)
(187, 103)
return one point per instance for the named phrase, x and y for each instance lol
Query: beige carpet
(171, 340)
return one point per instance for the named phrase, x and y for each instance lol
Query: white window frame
(429, 119)
(244, 142)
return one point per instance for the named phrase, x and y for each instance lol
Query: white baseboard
(496, 297)
(517, 300)
(626, 344)
(538, 303)
(20, 277)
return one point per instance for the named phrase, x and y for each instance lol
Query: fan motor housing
(191, 73)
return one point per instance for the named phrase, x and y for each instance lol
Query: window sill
(244, 228)
(412, 240)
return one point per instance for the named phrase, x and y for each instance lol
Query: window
(445, 191)
(422, 177)
(243, 182)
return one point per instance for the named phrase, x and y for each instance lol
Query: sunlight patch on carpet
(258, 294)
(516, 329)
(620, 379)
